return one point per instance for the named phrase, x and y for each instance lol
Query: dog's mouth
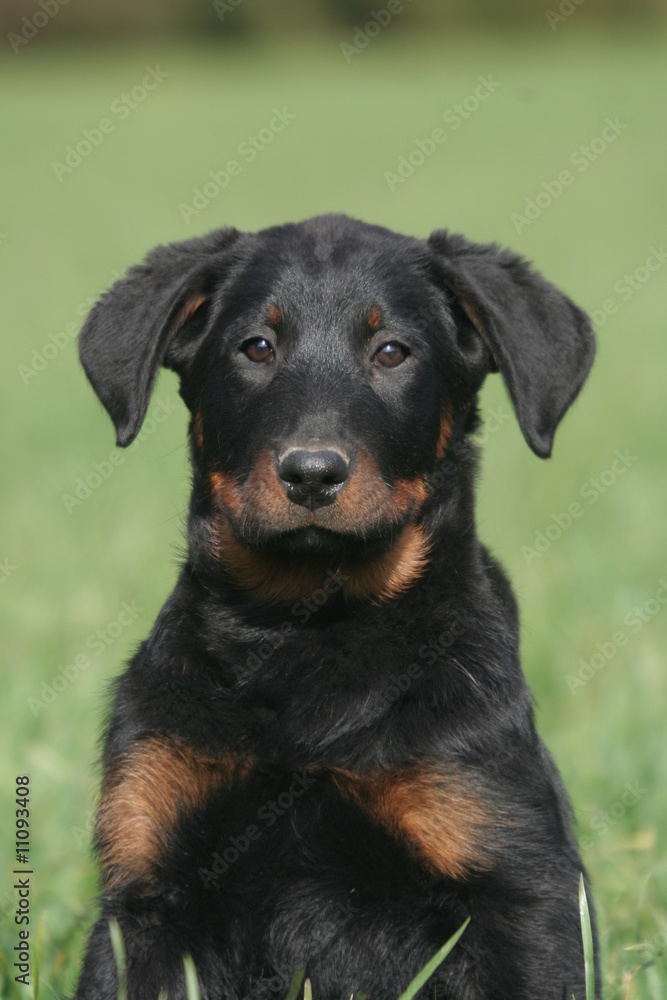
(366, 508)
(371, 535)
(314, 541)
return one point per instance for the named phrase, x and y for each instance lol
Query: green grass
(425, 974)
(192, 982)
(60, 243)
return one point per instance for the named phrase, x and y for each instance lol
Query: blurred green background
(365, 101)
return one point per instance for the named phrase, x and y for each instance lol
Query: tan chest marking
(447, 822)
(442, 814)
(143, 797)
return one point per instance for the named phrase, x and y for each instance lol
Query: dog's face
(321, 401)
(328, 367)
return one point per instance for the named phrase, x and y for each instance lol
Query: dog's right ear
(134, 328)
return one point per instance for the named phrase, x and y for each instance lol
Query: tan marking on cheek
(273, 315)
(374, 318)
(411, 494)
(447, 824)
(143, 798)
(444, 437)
(265, 489)
(367, 499)
(365, 503)
(226, 493)
(376, 579)
(364, 496)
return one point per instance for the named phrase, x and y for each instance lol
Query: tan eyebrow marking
(375, 318)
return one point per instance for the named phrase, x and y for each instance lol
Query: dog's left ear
(539, 341)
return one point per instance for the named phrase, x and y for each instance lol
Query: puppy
(323, 759)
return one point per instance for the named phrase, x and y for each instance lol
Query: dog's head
(329, 368)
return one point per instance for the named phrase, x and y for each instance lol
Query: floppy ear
(135, 326)
(539, 341)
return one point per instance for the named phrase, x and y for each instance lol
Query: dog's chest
(219, 823)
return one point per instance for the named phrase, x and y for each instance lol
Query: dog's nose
(311, 477)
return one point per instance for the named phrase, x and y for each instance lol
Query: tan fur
(192, 304)
(445, 434)
(374, 318)
(435, 810)
(385, 576)
(365, 503)
(445, 822)
(376, 578)
(143, 797)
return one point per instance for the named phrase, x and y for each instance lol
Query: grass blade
(295, 985)
(433, 964)
(191, 979)
(35, 961)
(49, 987)
(587, 938)
(118, 946)
(307, 990)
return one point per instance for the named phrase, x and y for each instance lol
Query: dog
(323, 758)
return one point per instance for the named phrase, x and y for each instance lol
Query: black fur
(315, 687)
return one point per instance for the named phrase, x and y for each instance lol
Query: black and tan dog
(324, 757)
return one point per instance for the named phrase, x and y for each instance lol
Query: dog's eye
(390, 355)
(259, 350)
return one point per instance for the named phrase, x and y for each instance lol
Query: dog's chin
(320, 543)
